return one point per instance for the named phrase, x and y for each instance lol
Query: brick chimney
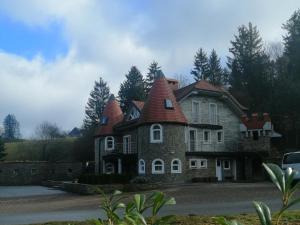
(174, 84)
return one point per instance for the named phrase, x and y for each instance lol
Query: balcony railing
(120, 148)
(198, 118)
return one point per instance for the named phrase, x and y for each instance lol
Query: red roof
(255, 121)
(154, 110)
(114, 114)
(139, 104)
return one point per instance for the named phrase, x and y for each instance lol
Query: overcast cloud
(107, 37)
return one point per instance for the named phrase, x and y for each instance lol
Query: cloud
(107, 37)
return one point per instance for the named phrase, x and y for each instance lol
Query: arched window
(142, 166)
(156, 133)
(109, 168)
(158, 166)
(176, 166)
(109, 143)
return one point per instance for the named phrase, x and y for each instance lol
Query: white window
(156, 135)
(134, 114)
(109, 168)
(192, 140)
(206, 136)
(213, 117)
(142, 166)
(226, 164)
(158, 166)
(198, 163)
(220, 137)
(109, 143)
(196, 112)
(176, 166)
(127, 144)
(168, 104)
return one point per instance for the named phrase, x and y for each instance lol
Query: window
(104, 120)
(134, 114)
(192, 140)
(196, 112)
(156, 133)
(109, 143)
(158, 166)
(109, 168)
(198, 163)
(142, 167)
(33, 171)
(226, 164)
(255, 135)
(168, 104)
(220, 136)
(16, 172)
(127, 144)
(213, 117)
(176, 166)
(206, 136)
(70, 170)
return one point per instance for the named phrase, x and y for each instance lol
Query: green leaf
(276, 174)
(223, 221)
(263, 213)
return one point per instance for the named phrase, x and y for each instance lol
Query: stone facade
(28, 173)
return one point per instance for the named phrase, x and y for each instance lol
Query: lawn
(292, 218)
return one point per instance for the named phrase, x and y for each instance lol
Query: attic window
(104, 120)
(168, 104)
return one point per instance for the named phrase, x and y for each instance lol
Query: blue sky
(52, 51)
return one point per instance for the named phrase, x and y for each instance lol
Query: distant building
(75, 132)
(196, 132)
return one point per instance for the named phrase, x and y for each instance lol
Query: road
(24, 205)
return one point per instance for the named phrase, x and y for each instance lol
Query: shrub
(105, 179)
(140, 180)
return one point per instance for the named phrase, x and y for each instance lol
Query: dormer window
(168, 104)
(134, 114)
(104, 120)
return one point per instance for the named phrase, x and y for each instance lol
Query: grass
(292, 217)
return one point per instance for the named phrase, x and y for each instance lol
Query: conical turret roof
(156, 110)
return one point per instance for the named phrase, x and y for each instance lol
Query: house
(197, 132)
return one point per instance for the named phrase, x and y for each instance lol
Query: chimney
(173, 84)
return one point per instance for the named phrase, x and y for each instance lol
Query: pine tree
(11, 127)
(214, 69)
(200, 70)
(133, 88)
(96, 103)
(2, 149)
(153, 71)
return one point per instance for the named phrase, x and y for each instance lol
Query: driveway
(41, 204)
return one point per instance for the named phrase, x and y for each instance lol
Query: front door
(219, 169)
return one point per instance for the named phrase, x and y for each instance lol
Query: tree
(249, 67)
(133, 88)
(215, 71)
(2, 149)
(96, 103)
(48, 131)
(153, 71)
(11, 127)
(200, 70)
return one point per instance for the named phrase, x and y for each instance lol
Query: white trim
(179, 166)
(205, 163)
(209, 137)
(199, 112)
(162, 164)
(113, 143)
(222, 137)
(198, 164)
(196, 139)
(112, 166)
(152, 140)
(210, 114)
(142, 168)
(126, 151)
(229, 164)
(119, 166)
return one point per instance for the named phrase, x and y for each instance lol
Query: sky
(52, 51)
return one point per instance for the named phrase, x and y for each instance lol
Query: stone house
(197, 132)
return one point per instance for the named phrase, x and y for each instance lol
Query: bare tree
(48, 131)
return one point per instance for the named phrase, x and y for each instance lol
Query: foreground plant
(132, 213)
(284, 181)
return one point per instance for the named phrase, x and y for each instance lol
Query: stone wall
(173, 146)
(28, 173)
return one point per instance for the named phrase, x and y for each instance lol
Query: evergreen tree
(250, 67)
(11, 127)
(214, 69)
(201, 69)
(96, 103)
(133, 88)
(153, 71)
(2, 149)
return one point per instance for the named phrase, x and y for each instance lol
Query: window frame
(127, 151)
(179, 170)
(198, 163)
(152, 129)
(154, 171)
(113, 168)
(199, 112)
(142, 171)
(210, 113)
(189, 139)
(209, 137)
(229, 164)
(222, 137)
(106, 143)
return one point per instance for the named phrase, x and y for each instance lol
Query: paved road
(206, 199)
